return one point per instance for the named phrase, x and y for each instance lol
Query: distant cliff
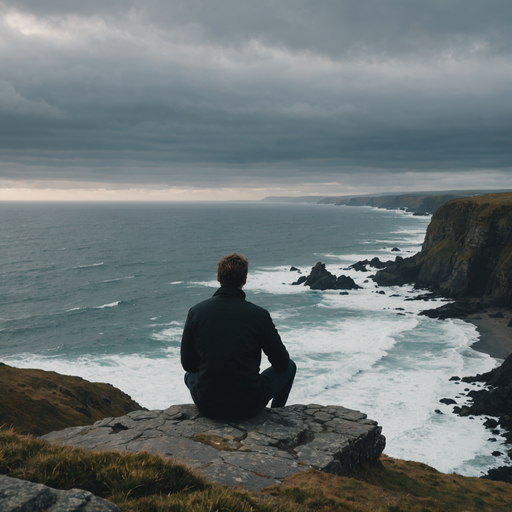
(412, 202)
(420, 202)
(467, 252)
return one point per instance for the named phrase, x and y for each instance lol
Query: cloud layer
(249, 94)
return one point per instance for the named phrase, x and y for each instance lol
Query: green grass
(147, 483)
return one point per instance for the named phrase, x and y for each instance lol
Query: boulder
(22, 496)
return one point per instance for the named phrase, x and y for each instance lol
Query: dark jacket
(222, 341)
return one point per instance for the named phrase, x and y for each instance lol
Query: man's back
(222, 342)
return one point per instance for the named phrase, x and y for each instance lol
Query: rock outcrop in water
(494, 401)
(467, 252)
(321, 279)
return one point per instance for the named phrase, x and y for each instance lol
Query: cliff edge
(37, 402)
(467, 252)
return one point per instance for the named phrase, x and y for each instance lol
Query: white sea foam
(110, 305)
(169, 334)
(117, 279)
(209, 284)
(89, 266)
(177, 282)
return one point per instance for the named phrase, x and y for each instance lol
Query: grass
(37, 402)
(147, 483)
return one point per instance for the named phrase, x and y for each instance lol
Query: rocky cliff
(467, 252)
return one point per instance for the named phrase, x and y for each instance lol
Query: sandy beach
(495, 335)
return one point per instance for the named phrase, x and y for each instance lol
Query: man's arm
(189, 356)
(273, 346)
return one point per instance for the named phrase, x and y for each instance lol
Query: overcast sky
(227, 99)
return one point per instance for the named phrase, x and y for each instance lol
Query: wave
(103, 306)
(110, 305)
(117, 279)
(88, 266)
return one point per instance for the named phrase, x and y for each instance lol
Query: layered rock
(254, 453)
(36, 401)
(467, 252)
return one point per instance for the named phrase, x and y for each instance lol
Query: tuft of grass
(392, 485)
(140, 482)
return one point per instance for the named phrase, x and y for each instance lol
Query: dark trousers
(281, 380)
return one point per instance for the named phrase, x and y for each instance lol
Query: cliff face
(467, 252)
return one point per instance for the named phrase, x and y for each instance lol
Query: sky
(237, 99)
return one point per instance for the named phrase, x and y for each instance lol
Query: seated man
(221, 351)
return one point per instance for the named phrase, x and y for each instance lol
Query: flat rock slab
(253, 453)
(21, 496)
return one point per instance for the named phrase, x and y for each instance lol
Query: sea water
(102, 291)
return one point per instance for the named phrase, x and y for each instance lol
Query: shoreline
(495, 335)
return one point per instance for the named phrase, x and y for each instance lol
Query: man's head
(232, 270)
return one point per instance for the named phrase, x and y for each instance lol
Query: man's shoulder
(256, 308)
(201, 305)
(239, 303)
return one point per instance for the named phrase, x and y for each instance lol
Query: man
(221, 351)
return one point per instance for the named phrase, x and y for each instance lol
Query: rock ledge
(254, 453)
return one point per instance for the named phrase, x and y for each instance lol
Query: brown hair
(232, 270)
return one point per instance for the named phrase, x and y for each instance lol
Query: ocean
(102, 290)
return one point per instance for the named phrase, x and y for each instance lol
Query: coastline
(495, 337)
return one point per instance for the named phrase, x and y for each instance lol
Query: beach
(495, 335)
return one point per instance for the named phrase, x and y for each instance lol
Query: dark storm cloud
(247, 92)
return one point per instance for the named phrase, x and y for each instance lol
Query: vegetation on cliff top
(37, 402)
(147, 483)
